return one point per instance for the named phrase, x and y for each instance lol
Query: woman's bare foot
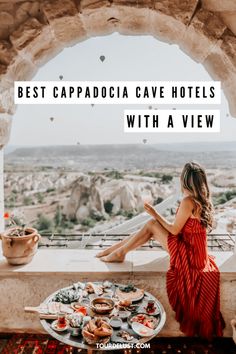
(114, 257)
(103, 253)
(111, 249)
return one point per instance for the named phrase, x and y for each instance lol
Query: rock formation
(90, 195)
(85, 199)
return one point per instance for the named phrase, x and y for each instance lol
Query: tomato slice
(81, 310)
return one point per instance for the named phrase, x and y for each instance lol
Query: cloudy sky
(126, 58)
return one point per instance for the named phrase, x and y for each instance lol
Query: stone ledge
(85, 263)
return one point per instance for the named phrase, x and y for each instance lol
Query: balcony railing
(215, 242)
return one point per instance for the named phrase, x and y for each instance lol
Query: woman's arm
(184, 212)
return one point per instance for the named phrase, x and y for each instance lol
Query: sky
(126, 58)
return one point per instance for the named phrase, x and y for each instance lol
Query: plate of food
(146, 320)
(93, 288)
(129, 293)
(79, 307)
(126, 305)
(68, 295)
(124, 336)
(143, 331)
(97, 330)
(124, 314)
(150, 307)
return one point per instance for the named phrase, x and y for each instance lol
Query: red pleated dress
(193, 282)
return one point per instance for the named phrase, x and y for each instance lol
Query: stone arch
(32, 32)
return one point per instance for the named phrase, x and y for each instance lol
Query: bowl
(115, 322)
(124, 314)
(102, 305)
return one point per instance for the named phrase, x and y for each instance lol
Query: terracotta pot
(20, 249)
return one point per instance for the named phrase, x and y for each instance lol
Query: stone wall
(30, 290)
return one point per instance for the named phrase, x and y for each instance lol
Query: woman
(193, 280)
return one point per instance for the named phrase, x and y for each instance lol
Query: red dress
(193, 282)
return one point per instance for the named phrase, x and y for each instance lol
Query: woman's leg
(113, 247)
(151, 229)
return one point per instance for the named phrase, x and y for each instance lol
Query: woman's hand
(150, 210)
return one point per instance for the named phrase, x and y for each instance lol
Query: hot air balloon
(51, 119)
(60, 77)
(92, 104)
(102, 58)
(150, 107)
(144, 141)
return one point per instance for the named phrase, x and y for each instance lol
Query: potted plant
(19, 242)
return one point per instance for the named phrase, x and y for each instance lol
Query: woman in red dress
(193, 280)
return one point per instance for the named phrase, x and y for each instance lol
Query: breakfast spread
(102, 312)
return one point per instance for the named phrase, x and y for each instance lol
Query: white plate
(142, 330)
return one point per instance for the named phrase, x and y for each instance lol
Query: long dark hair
(194, 179)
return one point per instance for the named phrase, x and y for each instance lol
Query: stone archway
(32, 32)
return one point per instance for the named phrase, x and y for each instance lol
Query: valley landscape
(76, 189)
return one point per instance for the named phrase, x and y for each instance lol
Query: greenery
(61, 223)
(58, 217)
(96, 215)
(224, 197)
(150, 174)
(40, 197)
(88, 222)
(44, 224)
(11, 200)
(158, 200)
(108, 206)
(27, 200)
(50, 190)
(166, 178)
(127, 214)
(114, 174)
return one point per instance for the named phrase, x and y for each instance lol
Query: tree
(108, 206)
(44, 224)
(58, 217)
